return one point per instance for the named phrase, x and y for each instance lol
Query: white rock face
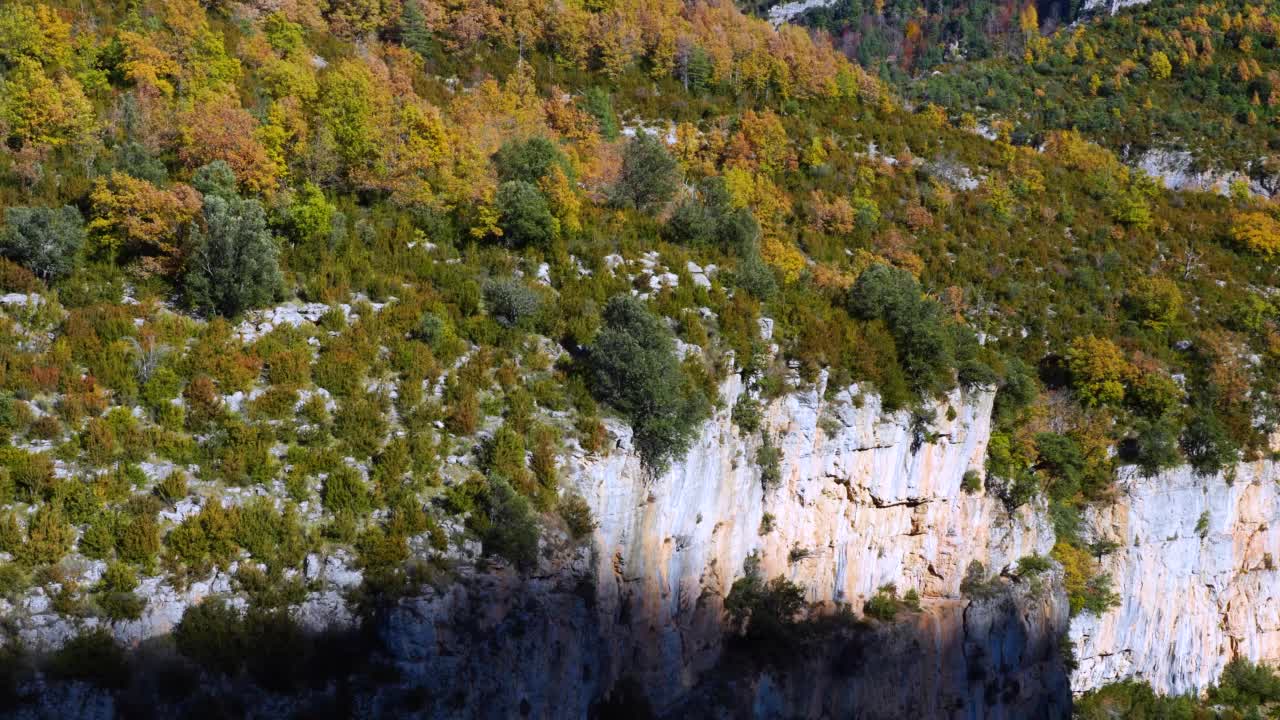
(784, 12)
(867, 508)
(1108, 6)
(1174, 169)
(1195, 575)
(861, 507)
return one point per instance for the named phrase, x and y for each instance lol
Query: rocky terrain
(1195, 575)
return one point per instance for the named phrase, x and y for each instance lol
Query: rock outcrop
(1196, 577)
(863, 500)
(1108, 6)
(860, 499)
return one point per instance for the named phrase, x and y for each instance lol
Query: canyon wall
(634, 616)
(1195, 574)
(863, 500)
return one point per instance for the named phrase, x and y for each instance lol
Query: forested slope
(345, 276)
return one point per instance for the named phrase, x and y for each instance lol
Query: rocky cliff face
(1108, 6)
(635, 616)
(1196, 576)
(863, 501)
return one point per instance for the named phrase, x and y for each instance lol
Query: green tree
(924, 346)
(529, 160)
(524, 215)
(510, 301)
(44, 240)
(233, 266)
(1098, 370)
(634, 368)
(598, 103)
(1206, 443)
(1155, 302)
(649, 176)
(513, 530)
(216, 178)
(413, 29)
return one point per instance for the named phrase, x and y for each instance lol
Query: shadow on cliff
(504, 646)
(997, 656)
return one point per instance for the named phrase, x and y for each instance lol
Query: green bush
(291, 368)
(163, 386)
(114, 593)
(274, 538)
(49, 538)
(172, 488)
(43, 240)
(212, 634)
(77, 499)
(769, 460)
(529, 160)
(746, 414)
(1245, 685)
(98, 541)
(504, 456)
(138, 539)
(10, 533)
(93, 657)
(344, 491)
(361, 423)
(270, 590)
(205, 539)
(509, 301)
(30, 473)
(1133, 699)
(884, 604)
(634, 369)
(762, 615)
(13, 581)
(577, 515)
(1031, 565)
(513, 529)
(649, 175)
(976, 584)
(524, 215)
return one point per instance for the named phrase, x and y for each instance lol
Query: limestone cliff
(1196, 578)
(1108, 6)
(635, 615)
(864, 500)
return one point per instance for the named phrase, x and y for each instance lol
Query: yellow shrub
(784, 257)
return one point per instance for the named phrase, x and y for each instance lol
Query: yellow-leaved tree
(1257, 232)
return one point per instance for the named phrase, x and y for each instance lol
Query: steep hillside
(1189, 77)
(548, 357)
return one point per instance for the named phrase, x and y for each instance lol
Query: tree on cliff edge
(634, 369)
